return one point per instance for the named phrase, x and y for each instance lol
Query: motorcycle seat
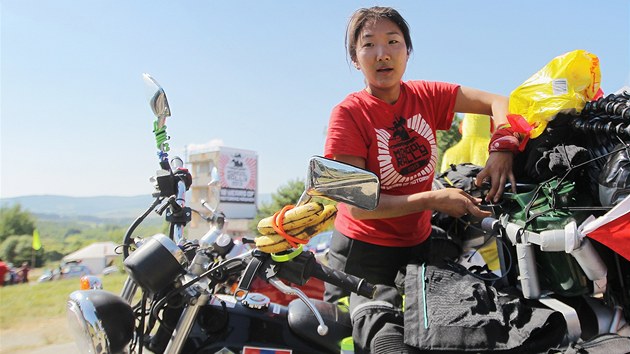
(304, 324)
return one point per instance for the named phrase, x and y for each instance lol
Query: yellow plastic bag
(565, 84)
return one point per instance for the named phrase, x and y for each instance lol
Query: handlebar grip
(490, 225)
(345, 281)
(249, 274)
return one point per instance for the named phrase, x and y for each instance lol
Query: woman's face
(382, 55)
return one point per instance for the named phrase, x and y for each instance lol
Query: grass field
(36, 312)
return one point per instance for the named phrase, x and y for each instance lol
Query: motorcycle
(181, 306)
(541, 249)
(544, 252)
(547, 244)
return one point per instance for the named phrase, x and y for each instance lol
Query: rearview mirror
(157, 100)
(341, 182)
(214, 190)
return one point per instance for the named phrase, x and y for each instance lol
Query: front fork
(185, 324)
(129, 290)
(189, 315)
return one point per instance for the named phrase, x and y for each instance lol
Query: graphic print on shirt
(407, 152)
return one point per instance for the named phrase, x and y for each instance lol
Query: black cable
(162, 302)
(626, 146)
(142, 318)
(499, 240)
(139, 314)
(127, 239)
(481, 277)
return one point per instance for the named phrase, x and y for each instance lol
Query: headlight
(101, 322)
(156, 264)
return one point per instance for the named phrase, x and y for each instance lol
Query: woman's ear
(356, 65)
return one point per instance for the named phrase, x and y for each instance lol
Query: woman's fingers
(480, 213)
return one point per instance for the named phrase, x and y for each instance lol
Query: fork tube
(178, 234)
(129, 290)
(185, 324)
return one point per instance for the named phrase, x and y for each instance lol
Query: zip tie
(424, 297)
(277, 224)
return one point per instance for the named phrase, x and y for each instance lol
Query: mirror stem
(304, 198)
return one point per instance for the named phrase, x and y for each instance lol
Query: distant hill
(54, 207)
(103, 207)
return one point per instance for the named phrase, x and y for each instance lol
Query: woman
(389, 128)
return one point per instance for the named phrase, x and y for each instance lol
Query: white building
(238, 177)
(96, 256)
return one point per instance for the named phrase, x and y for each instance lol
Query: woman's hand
(457, 203)
(498, 170)
(499, 165)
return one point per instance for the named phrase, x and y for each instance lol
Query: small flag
(37, 244)
(613, 228)
(258, 350)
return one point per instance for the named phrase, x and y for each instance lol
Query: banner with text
(238, 171)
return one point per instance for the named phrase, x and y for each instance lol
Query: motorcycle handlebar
(490, 225)
(345, 281)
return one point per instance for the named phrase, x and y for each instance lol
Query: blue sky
(256, 75)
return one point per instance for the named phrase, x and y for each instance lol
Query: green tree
(447, 138)
(288, 194)
(75, 242)
(53, 256)
(17, 249)
(15, 221)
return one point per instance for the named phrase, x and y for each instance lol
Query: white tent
(96, 256)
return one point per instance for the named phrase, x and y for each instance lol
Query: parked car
(66, 271)
(111, 270)
(319, 245)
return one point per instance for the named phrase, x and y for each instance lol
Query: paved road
(67, 348)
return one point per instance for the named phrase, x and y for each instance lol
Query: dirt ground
(50, 336)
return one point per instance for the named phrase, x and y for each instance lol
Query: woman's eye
(393, 41)
(368, 45)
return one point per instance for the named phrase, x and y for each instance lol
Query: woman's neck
(389, 95)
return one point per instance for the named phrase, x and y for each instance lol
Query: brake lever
(322, 329)
(206, 218)
(268, 270)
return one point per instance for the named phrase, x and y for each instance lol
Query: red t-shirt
(398, 144)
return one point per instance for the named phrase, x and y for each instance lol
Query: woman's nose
(382, 54)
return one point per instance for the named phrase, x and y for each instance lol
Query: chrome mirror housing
(157, 100)
(341, 182)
